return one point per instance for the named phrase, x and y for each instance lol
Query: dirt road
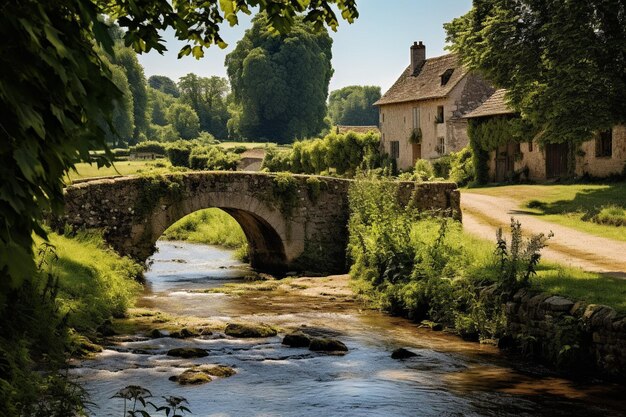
(483, 214)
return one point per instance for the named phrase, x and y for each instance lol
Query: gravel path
(483, 214)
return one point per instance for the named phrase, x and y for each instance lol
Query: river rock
(402, 353)
(296, 340)
(155, 334)
(183, 333)
(203, 374)
(187, 353)
(249, 330)
(321, 344)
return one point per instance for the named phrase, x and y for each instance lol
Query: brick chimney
(418, 57)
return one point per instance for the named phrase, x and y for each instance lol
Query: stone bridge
(292, 222)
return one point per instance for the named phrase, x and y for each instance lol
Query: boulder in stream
(296, 340)
(203, 374)
(183, 333)
(322, 344)
(155, 334)
(187, 353)
(249, 330)
(402, 353)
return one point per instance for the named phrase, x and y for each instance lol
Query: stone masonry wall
(562, 332)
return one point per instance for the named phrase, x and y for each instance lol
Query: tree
(207, 96)
(55, 90)
(158, 103)
(184, 119)
(353, 106)
(127, 58)
(280, 81)
(562, 62)
(164, 84)
(122, 118)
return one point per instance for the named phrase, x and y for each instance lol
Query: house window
(441, 146)
(604, 144)
(383, 115)
(416, 117)
(445, 77)
(395, 149)
(439, 118)
(530, 146)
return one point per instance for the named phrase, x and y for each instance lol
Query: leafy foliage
(208, 97)
(561, 62)
(342, 153)
(280, 81)
(353, 106)
(184, 119)
(164, 84)
(422, 266)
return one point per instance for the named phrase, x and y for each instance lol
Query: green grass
(592, 288)
(95, 283)
(251, 145)
(85, 170)
(573, 205)
(212, 227)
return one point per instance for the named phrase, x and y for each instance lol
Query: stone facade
(565, 333)
(587, 163)
(414, 102)
(302, 229)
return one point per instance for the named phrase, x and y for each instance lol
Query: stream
(448, 377)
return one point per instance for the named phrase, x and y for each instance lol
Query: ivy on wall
(487, 134)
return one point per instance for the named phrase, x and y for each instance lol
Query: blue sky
(372, 51)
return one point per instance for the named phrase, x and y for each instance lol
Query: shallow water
(449, 377)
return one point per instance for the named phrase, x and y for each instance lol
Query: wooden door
(556, 160)
(417, 151)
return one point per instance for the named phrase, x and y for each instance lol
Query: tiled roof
(493, 106)
(427, 84)
(356, 129)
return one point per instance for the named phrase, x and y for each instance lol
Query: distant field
(250, 145)
(569, 205)
(84, 170)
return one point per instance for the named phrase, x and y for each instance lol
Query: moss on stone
(249, 330)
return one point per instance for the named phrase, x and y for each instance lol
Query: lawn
(590, 287)
(568, 205)
(251, 145)
(85, 170)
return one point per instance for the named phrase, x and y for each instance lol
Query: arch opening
(265, 248)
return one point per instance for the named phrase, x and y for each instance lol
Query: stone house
(602, 156)
(420, 116)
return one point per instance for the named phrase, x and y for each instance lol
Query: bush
(462, 167)
(611, 215)
(424, 267)
(150, 146)
(178, 153)
(423, 170)
(213, 158)
(442, 166)
(276, 160)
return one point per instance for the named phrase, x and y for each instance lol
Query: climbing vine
(154, 188)
(487, 135)
(285, 192)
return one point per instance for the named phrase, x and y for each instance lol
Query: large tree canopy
(280, 82)
(563, 62)
(55, 89)
(207, 96)
(164, 84)
(353, 105)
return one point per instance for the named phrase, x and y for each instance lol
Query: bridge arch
(269, 241)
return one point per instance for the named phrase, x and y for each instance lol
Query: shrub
(462, 167)
(423, 170)
(178, 153)
(442, 166)
(149, 147)
(212, 158)
(611, 215)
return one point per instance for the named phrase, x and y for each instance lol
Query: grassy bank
(211, 227)
(423, 267)
(60, 311)
(580, 206)
(85, 170)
